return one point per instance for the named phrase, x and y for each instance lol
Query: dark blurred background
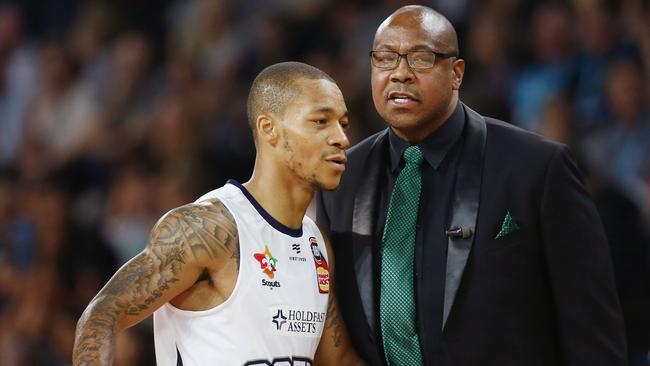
(113, 112)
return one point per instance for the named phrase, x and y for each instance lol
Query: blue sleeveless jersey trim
(179, 359)
(296, 233)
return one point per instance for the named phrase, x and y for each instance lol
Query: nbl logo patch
(322, 270)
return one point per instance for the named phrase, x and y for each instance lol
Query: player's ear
(267, 128)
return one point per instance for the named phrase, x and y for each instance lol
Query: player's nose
(339, 137)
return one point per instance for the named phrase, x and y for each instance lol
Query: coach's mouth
(400, 96)
(401, 99)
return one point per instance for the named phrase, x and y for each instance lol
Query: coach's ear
(267, 129)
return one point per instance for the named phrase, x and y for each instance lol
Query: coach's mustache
(403, 91)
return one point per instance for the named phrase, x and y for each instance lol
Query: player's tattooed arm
(333, 321)
(181, 245)
(335, 347)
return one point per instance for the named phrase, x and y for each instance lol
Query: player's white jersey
(276, 313)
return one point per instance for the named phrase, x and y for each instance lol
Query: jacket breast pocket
(518, 238)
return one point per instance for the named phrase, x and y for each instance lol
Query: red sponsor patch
(322, 270)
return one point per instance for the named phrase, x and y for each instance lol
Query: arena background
(113, 112)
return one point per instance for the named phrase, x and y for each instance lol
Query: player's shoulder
(195, 210)
(204, 219)
(202, 231)
(225, 192)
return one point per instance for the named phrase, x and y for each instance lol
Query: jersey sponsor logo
(282, 361)
(268, 263)
(279, 319)
(298, 321)
(297, 249)
(271, 284)
(322, 270)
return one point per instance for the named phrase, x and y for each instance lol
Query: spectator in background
(619, 156)
(490, 58)
(204, 32)
(87, 41)
(63, 115)
(599, 43)
(132, 91)
(557, 121)
(128, 217)
(17, 81)
(618, 152)
(549, 73)
(45, 271)
(172, 134)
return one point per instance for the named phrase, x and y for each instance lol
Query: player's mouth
(401, 99)
(337, 162)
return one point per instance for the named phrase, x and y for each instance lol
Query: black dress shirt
(440, 150)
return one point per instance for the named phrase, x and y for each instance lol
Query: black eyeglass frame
(441, 55)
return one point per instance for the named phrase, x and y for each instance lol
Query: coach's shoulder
(526, 144)
(363, 147)
(359, 154)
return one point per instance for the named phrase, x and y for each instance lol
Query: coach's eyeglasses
(417, 60)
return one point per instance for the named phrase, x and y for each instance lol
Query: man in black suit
(510, 265)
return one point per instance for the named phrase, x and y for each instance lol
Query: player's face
(313, 134)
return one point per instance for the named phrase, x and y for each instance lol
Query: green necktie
(397, 300)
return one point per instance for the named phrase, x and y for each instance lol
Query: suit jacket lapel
(364, 225)
(464, 205)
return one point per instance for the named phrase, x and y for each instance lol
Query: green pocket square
(508, 226)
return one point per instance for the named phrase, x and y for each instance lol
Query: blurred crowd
(113, 112)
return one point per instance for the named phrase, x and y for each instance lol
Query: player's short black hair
(275, 86)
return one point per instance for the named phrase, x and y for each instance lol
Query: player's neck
(282, 198)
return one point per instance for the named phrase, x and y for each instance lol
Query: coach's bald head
(436, 25)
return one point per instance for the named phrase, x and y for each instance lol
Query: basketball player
(242, 276)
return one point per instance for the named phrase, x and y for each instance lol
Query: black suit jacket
(542, 295)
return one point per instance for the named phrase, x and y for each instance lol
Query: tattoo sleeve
(333, 322)
(180, 247)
